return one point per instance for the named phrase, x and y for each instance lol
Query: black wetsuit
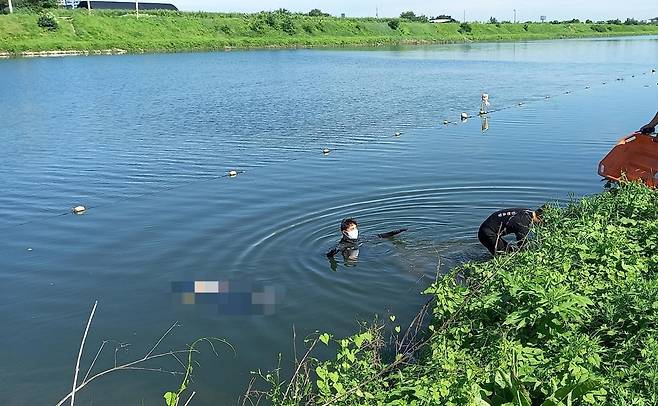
(350, 248)
(515, 221)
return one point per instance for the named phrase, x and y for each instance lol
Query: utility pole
(514, 16)
(376, 11)
(11, 8)
(137, 7)
(464, 20)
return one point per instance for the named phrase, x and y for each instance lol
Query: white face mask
(352, 235)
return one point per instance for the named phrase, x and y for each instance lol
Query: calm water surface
(144, 142)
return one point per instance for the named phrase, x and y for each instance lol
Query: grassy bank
(178, 31)
(573, 320)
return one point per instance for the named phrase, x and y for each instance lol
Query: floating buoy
(464, 116)
(232, 173)
(547, 97)
(567, 92)
(520, 103)
(446, 122)
(653, 71)
(397, 134)
(79, 209)
(603, 83)
(29, 249)
(326, 151)
(586, 87)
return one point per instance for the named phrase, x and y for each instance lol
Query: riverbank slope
(571, 320)
(166, 31)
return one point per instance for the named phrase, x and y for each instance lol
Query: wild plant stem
(82, 346)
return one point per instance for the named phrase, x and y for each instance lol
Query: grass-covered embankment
(174, 31)
(573, 320)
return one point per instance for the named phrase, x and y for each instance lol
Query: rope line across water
(330, 150)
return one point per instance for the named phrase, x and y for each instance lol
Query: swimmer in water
(349, 243)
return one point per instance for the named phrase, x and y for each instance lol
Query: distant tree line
(34, 5)
(411, 16)
(316, 12)
(629, 21)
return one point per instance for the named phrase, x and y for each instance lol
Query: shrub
(317, 13)
(394, 24)
(465, 28)
(526, 27)
(411, 16)
(257, 25)
(599, 28)
(288, 25)
(47, 21)
(270, 19)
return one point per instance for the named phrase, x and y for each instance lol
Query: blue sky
(475, 9)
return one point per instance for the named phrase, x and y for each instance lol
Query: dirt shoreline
(56, 54)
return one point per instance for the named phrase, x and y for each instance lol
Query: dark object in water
(391, 233)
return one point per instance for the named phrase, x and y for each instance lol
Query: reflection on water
(146, 145)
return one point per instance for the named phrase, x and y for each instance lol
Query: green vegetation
(572, 320)
(28, 5)
(177, 31)
(411, 16)
(47, 21)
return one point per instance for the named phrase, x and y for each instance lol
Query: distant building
(653, 20)
(68, 3)
(442, 19)
(126, 5)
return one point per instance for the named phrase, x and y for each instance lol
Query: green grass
(179, 31)
(572, 320)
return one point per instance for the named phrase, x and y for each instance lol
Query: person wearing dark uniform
(515, 221)
(349, 243)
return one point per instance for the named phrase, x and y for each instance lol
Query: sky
(476, 10)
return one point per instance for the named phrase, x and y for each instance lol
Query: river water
(144, 142)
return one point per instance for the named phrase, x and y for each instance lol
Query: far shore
(78, 32)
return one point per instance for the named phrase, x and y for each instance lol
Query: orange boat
(633, 158)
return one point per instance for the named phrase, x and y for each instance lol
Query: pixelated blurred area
(232, 297)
